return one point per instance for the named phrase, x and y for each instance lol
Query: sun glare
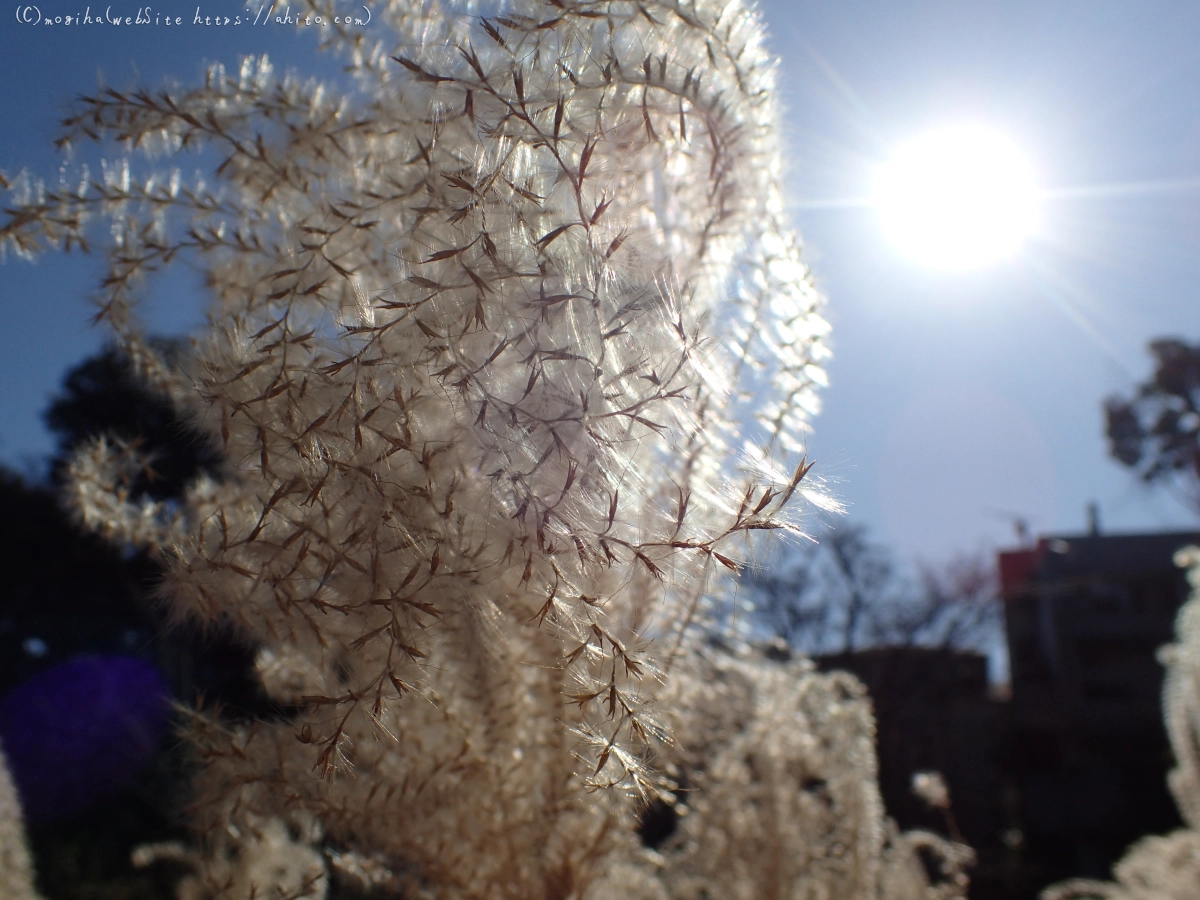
(957, 198)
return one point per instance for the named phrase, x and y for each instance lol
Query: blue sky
(959, 401)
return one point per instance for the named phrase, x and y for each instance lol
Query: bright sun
(957, 197)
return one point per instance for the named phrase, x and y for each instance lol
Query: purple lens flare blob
(81, 731)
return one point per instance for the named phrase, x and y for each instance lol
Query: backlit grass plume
(461, 356)
(509, 353)
(16, 869)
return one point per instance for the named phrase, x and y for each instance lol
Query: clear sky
(959, 400)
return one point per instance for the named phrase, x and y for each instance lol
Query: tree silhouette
(846, 593)
(1156, 432)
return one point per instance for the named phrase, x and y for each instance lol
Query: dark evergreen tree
(103, 396)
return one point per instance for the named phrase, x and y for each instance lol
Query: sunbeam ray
(1143, 188)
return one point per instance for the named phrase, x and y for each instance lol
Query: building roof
(1067, 557)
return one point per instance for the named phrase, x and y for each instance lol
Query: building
(1086, 753)
(935, 711)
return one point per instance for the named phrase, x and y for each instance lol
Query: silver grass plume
(16, 867)
(460, 359)
(780, 790)
(489, 345)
